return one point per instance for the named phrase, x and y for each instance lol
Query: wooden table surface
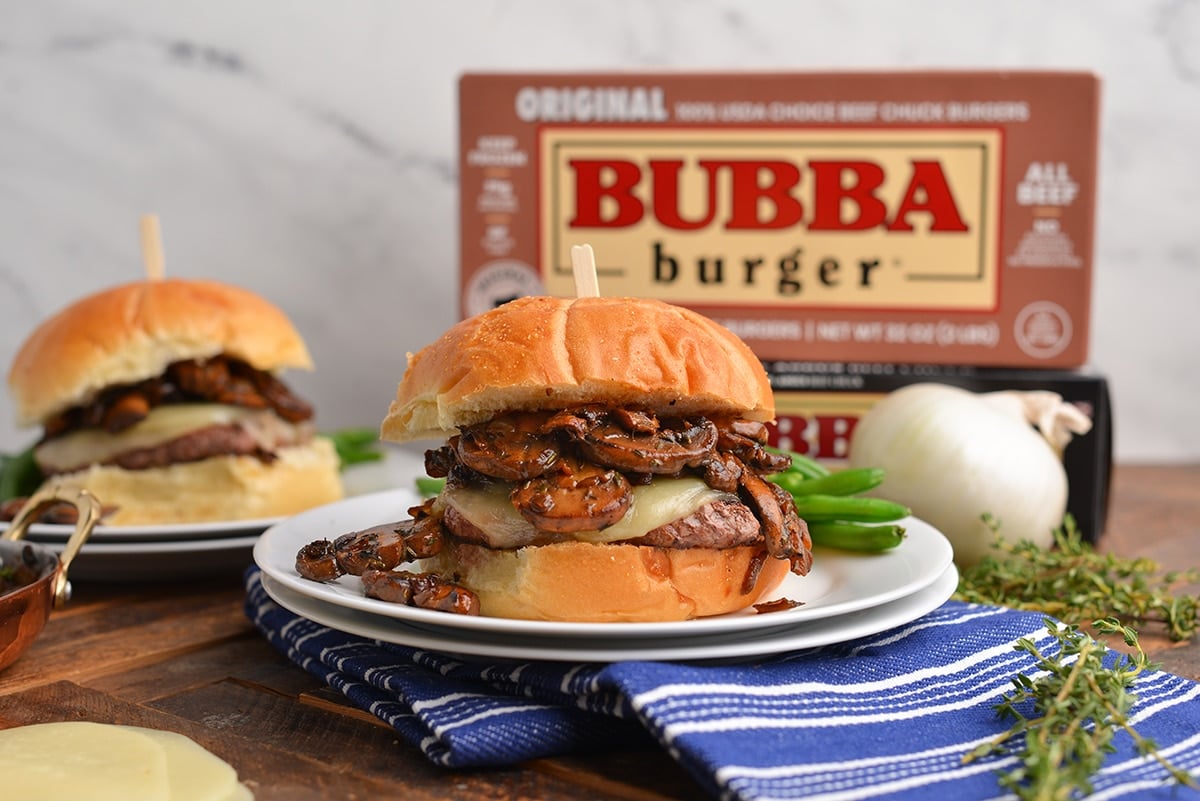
(184, 657)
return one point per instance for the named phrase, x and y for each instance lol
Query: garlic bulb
(954, 456)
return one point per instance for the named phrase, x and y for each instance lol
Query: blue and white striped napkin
(886, 716)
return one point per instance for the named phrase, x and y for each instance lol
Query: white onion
(954, 456)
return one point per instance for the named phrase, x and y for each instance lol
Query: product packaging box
(818, 405)
(898, 217)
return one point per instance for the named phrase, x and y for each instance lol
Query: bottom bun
(216, 489)
(586, 583)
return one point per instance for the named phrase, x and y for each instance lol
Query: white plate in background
(159, 561)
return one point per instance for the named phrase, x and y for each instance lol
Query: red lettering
(833, 195)
(821, 436)
(845, 195)
(929, 180)
(666, 196)
(591, 190)
(747, 193)
(833, 435)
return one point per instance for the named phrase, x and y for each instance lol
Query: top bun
(549, 353)
(132, 332)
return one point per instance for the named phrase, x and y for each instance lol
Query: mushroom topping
(786, 535)
(639, 442)
(746, 440)
(795, 531)
(512, 447)
(575, 497)
(317, 561)
(378, 548)
(424, 590)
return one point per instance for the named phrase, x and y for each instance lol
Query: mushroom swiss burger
(162, 398)
(604, 461)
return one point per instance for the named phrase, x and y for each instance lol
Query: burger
(604, 460)
(163, 399)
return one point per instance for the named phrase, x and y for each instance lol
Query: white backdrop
(307, 149)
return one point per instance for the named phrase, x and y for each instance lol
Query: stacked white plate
(151, 553)
(845, 596)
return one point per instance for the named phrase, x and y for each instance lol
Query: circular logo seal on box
(1043, 329)
(498, 282)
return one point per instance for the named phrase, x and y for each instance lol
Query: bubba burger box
(923, 217)
(818, 405)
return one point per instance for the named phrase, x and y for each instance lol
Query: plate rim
(932, 568)
(747, 645)
(217, 529)
(160, 547)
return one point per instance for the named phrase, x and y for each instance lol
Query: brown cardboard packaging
(902, 217)
(818, 405)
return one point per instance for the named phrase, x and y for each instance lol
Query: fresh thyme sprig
(1078, 704)
(1074, 583)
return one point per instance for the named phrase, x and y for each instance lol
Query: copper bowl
(25, 610)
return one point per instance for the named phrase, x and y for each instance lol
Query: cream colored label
(834, 218)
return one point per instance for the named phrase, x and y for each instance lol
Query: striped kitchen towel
(886, 716)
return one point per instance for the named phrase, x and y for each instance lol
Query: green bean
(856, 536)
(843, 482)
(428, 487)
(349, 457)
(356, 445)
(804, 465)
(849, 509)
(19, 475)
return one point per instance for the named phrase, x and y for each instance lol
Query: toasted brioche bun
(216, 489)
(583, 582)
(132, 332)
(549, 353)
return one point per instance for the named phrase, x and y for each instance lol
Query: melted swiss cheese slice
(161, 425)
(655, 504)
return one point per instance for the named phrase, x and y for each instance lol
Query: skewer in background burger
(604, 461)
(162, 398)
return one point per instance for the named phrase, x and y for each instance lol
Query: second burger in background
(604, 462)
(162, 398)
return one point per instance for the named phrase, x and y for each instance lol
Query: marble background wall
(307, 150)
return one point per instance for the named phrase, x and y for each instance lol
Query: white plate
(730, 645)
(47, 532)
(839, 583)
(160, 561)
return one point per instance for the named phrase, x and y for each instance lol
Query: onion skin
(952, 458)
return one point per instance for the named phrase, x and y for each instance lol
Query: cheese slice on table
(75, 760)
(193, 773)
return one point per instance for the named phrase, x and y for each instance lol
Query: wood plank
(347, 744)
(658, 776)
(207, 665)
(124, 637)
(1156, 514)
(273, 774)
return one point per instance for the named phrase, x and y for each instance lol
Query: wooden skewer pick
(152, 250)
(583, 265)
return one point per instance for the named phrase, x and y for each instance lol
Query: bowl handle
(48, 495)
